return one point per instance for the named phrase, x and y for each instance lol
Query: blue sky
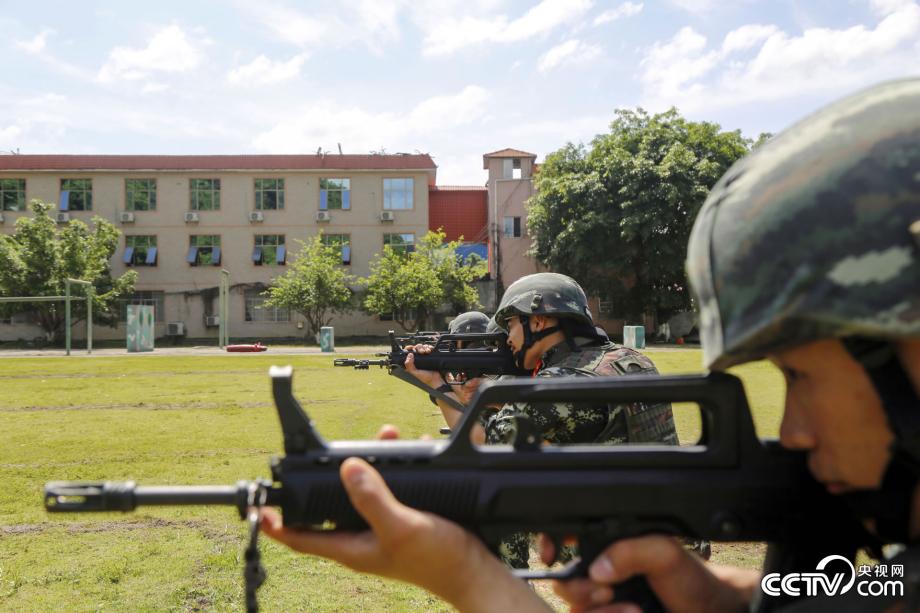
(451, 78)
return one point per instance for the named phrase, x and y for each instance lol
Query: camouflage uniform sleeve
(561, 422)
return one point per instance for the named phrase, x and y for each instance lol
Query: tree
(316, 285)
(617, 216)
(37, 258)
(410, 284)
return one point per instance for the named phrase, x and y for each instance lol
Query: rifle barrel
(64, 496)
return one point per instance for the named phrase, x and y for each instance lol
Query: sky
(452, 78)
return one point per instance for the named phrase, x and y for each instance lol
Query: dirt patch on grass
(207, 529)
(141, 406)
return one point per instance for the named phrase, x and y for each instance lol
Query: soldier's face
(834, 413)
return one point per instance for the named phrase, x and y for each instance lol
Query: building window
(76, 195)
(269, 194)
(406, 314)
(342, 242)
(205, 194)
(203, 250)
(334, 194)
(269, 250)
(12, 194)
(256, 310)
(140, 194)
(400, 243)
(511, 168)
(512, 227)
(397, 193)
(605, 307)
(140, 251)
(153, 298)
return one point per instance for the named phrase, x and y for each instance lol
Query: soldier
(552, 333)
(806, 252)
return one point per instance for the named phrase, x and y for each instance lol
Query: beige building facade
(185, 218)
(509, 184)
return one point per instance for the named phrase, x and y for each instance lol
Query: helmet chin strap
(892, 503)
(530, 338)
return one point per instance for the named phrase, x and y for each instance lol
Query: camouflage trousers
(514, 550)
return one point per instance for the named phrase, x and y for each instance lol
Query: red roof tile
(217, 162)
(457, 188)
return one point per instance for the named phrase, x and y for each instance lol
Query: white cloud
(569, 52)
(262, 70)
(450, 33)
(168, 50)
(746, 37)
(673, 67)
(627, 9)
(695, 6)
(371, 23)
(762, 63)
(154, 88)
(37, 44)
(327, 123)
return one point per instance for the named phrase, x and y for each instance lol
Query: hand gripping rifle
(488, 355)
(731, 486)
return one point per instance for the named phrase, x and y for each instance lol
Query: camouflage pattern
(815, 234)
(567, 423)
(471, 322)
(544, 293)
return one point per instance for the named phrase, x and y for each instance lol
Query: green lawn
(208, 419)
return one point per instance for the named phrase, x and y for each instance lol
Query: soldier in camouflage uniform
(807, 252)
(552, 333)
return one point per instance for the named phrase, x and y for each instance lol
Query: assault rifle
(488, 355)
(428, 337)
(730, 486)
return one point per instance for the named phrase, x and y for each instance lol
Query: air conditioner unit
(191, 217)
(256, 216)
(63, 217)
(175, 328)
(211, 321)
(323, 216)
(387, 216)
(126, 217)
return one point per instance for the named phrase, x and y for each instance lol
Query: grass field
(202, 420)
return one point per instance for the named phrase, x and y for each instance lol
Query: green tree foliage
(37, 258)
(410, 285)
(316, 285)
(617, 216)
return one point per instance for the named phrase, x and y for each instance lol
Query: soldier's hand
(431, 378)
(421, 348)
(681, 580)
(410, 545)
(466, 390)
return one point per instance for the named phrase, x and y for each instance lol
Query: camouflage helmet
(493, 327)
(815, 234)
(544, 293)
(472, 322)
